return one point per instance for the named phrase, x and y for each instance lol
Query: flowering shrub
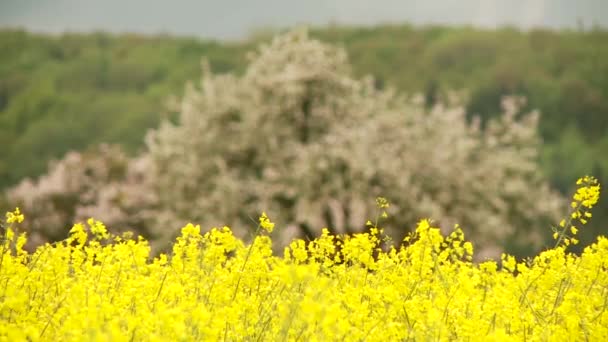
(98, 286)
(101, 182)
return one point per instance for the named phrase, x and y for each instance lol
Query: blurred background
(78, 73)
(236, 19)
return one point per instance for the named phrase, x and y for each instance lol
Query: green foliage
(74, 91)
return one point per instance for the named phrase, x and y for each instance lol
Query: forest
(67, 92)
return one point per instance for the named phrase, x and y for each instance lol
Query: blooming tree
(298, 136)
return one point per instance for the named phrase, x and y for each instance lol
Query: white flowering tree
(298, 136)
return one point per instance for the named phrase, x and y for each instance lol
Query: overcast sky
(233, 19)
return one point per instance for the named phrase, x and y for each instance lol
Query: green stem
(562, 234)
(238, 282)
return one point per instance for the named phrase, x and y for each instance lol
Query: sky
(235, 19)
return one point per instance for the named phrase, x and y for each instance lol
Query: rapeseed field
(212, 286)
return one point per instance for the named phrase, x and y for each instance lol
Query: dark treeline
(73, 91)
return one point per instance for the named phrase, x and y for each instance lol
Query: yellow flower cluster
(586, 196)
(15, 216)
(265, 223)
(212, 286)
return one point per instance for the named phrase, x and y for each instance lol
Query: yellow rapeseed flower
(15, 216)
(265, 223)
(214, 287)
(586, 196)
